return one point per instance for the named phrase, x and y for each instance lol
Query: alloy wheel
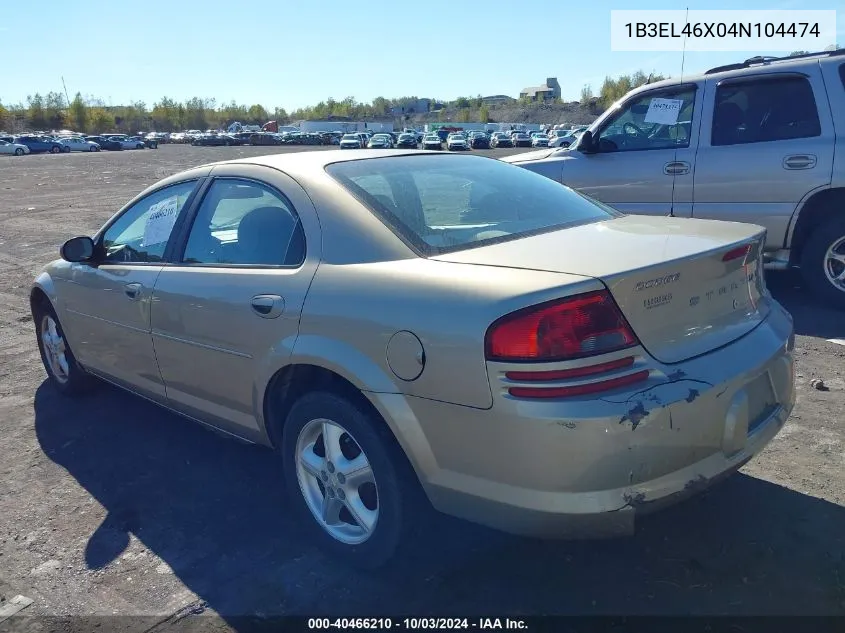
(337, 481)
(834, 264)
(55, 349)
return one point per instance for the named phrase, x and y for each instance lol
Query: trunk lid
(686, 286)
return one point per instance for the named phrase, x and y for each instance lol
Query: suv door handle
(676, 168)
(799, 161)
(267, 306)
(133, 290)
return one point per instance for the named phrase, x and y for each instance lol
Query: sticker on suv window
(664, 111)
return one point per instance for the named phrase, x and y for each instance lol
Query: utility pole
(66, 95)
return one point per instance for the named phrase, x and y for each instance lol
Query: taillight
(565, 329)
(736, 253)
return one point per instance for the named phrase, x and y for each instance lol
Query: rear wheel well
(814, 213)
(293, 381)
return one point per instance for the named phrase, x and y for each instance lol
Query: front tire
(19, 152)
(823, 262)
(64, 372)
(55, 149)
(343, 479)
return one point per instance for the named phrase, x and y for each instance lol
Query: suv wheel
(343, 479)
(823, 262)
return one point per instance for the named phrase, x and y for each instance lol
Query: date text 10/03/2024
(417, 624)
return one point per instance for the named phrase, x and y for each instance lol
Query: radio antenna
(683, 60)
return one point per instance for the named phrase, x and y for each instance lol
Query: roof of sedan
(306, 161)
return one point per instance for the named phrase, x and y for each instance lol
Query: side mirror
(586, 144)
(78, 249)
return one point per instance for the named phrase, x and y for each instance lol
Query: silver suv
(762, 141)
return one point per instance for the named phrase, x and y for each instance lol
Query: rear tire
(382, 499)
(823, 262)
(64, 372)
(55, 149)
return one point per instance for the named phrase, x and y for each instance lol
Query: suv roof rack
(754, 61)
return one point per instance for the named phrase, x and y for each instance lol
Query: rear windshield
(446, 203)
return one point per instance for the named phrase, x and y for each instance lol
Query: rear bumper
(583, 469)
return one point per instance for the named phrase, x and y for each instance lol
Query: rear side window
(442, 204)
(764, 110)
(245, 223)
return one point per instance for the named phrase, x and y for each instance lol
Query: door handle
(676, 168)
(133, 290)
(267, 306)
(800, 161)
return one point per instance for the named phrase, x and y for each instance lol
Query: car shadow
(812, 318)
(213, 510)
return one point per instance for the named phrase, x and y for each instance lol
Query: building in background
(342, 124)
(548, 91)
(497, 100)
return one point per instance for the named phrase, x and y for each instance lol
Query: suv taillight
(564, 329)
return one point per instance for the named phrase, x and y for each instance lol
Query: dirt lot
(111, 506)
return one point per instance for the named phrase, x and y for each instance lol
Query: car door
(226, 316)
(767, 144)
(644, 161)
(107, 302)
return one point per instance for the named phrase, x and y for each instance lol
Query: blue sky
(292, 53)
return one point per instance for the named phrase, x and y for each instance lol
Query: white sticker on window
(664, 111)
(161, 220)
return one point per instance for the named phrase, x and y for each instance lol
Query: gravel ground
(111, 506)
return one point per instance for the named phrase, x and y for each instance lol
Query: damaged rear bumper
(588, 468)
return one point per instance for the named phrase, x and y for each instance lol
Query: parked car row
(440, 139)
(22, 144)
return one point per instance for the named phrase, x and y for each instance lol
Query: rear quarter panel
(353, 310)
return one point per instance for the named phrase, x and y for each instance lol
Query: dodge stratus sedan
(402, 322)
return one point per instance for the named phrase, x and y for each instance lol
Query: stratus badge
(657, 282)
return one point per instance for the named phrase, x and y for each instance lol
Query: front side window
(244, 222)
(657, 120)
(141, 233)
(764, 110)
(447, 203)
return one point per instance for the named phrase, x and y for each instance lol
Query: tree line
(51, 111)
(91, 115)
(614, 89)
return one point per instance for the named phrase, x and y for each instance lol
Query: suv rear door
(766, 144)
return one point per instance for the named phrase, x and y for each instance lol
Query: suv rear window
(762, 110)
(447, 203)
